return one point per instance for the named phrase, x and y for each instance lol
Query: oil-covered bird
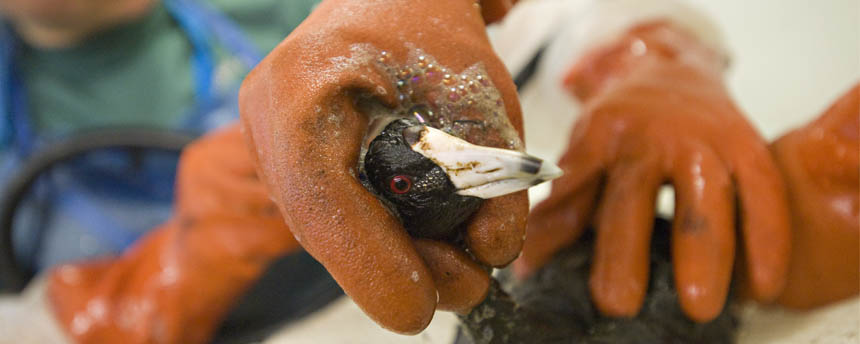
(434, 181)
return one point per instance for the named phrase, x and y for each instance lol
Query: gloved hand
(307, 109)
(178, 282)
(655, 110)
(822, 172)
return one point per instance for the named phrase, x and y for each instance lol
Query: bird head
(434, 181)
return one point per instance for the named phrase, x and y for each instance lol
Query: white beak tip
(492, 172)
(531, 172)
(549, 171)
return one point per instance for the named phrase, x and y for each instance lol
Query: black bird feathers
(554, 306)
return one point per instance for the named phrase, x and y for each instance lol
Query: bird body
(554, 306)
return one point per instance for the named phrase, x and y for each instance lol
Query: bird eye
(400, 184)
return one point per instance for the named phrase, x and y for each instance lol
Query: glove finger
(703, 240)
(555, 224)
(764, 219)
(560, 219)
(495, 233)
(461, 282)
(619, 273)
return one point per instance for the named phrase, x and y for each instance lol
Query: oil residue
(465, 104)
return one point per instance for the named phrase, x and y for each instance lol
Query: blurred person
(77, 71)
(75, 66)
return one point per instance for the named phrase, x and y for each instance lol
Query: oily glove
(822, 174)
(306, 108)
(179, 281)
(656, 111)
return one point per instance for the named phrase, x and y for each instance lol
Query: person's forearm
(174, 287)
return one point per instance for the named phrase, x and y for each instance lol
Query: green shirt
(139, 73)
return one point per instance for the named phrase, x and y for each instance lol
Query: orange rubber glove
(656, 111)
(307, 108)
(821, 166)
(178, 282)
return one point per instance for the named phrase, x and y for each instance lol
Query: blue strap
(24, 136)
(201, 22)
(6, 58)
(16, 128)
(226, 31)
(203, 58)
(194, 15)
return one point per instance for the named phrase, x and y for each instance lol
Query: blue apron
(104, 201)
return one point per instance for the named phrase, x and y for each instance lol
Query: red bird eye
(400, 184)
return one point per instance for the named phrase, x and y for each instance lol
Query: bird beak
(480, 171)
